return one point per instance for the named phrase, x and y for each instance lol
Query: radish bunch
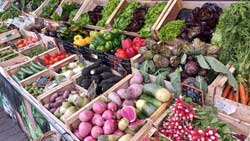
(178, 126)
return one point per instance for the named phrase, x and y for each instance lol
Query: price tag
(225, 106)
(59, 10)
(92, 90)
(195, 94)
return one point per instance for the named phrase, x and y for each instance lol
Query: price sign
(194, 93)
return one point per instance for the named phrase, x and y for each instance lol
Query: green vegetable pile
(67, 8)
(35, 91)
(3, 29)
(10, 13)
(232, 33)
(107, 11)
(152, 15)
(83, 20)
(7, 54)
(122, 20)
(30, 5)
(36, 51)
(171, 30)
(48, 10)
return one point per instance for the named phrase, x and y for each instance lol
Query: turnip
(84, 129)
(112, 106)
(115, 98)
(89, 138)
(99, 107)
(76, 132)
(128, 103)
(123, 93)
(107, 114)
(119, 132)
(136, 79)
(86, 115)
(135, 90)
(118, 114)
(109, 126)
(98, 120)
(96, 131)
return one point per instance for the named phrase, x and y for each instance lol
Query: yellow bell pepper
(78, 37)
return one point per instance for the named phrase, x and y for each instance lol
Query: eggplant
(111, 80)
(106, 86)
(106, 75)
(100, 70)
(85, 83)
(86, 71)
(96, 78)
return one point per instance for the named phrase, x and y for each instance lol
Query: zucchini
(21, 74)
(39, 67)
(147, 108)
(151, 100)
(34, 69)
(26, 71)
(157, 91)
(140, 114)
(15, 78)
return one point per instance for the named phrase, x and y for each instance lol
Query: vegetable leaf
(202, 62)
(183, 59)
(175, 79)
(201, 84)
(217, 66)
(160, 78)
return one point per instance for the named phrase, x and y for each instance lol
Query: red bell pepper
(127, 43)
(130, 52)
(121, 53)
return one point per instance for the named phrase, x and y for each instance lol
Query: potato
(66, 94)
(53, 97)
(47, 106)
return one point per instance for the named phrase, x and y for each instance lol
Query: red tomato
(46, 61)
(121, 54)
(51, 62)
(60, 53)
(47, 56)
(66, 55)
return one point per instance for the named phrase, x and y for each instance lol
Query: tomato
(51, 62)
(121, 54)
(47, 56)
(20, 45)
(46, 61)
(60, 53)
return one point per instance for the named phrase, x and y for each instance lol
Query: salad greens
(171, 30)
(49, 8)
(67, 9)
(152, 15)
(122, 20)
(107, 11)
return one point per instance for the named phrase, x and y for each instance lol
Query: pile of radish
(120, 116)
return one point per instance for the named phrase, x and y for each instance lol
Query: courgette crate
(89, 5)
(12, 62)
(174, 7)
(73, 122)
(123, 4)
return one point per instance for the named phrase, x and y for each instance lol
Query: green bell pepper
(107, 36)
(101, 48)
(116, 43)
(99, 40)
(108, 45)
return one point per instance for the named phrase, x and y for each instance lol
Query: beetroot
(89, 138)
(98, 120)
(84, 129)
(107, 115)
(112, 106)
(86, 115)
(99, 107)
(129, 113)
(135, 90)
(110, 126)
(128, 103)
(96, 131)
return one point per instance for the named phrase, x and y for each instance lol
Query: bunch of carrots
(241, 96)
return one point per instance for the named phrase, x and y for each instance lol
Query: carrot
(242, 94)
(246, 90)
(248, 103)
(231, 95)
(237, 96)
(226, 90)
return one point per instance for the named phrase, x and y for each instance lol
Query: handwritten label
(59, 10)
(225, 106)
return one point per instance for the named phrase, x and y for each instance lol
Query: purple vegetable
(96, 131)
(110, 126)
(191, 68)
(86, 115)
(97, 120)
(107, 115)
(119, 132)
(112, 106)
(118, 114)
(135, 90)
(115, 98)
(84, 129)
(130, 102)
(89, 138)
(99, 107)
(136, 79)
(77, 134)
(123, 93)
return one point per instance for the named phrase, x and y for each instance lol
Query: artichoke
(149, 43)
(191, 68)
(148, 55)
(211, 50)
(175, 61)
(160, 61)
(165, 50)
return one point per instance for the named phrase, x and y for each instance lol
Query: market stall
(126, 69)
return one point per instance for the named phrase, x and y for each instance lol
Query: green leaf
(217, 66)
(160, 78)
(145, 75)
(225, 129)
(183, 59)
(148, 67)
(215, 120)
(175, 79)
(202, 62)
(201, 84)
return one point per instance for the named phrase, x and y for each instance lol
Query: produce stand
(65, 78)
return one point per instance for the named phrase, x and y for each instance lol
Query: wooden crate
(14, 69)
(176, 5)
(8, 64)
(8, 36)
(73, 121)
(89, 5)
(122, 5)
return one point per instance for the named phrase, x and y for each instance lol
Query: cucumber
(26, 71)
(140, 115)
(15, 78)
(39, 67)
(151, 100)
(21, 74)
(147, 108)
(34, 69)
(157, 92)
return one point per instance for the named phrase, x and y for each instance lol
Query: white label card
(225, 106)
